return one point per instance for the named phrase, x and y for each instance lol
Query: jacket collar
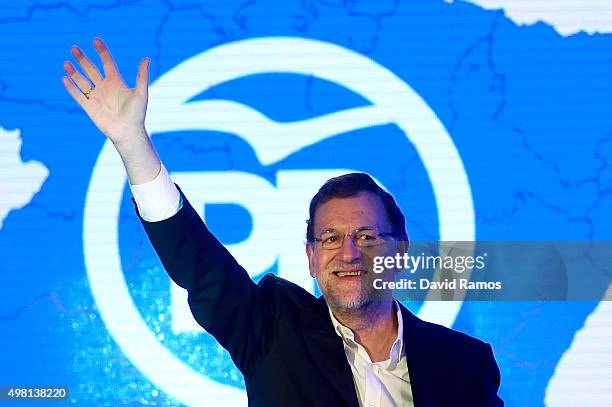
(327, 350)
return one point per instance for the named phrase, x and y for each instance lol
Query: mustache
(349, 266)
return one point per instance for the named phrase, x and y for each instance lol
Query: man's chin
(347, 304)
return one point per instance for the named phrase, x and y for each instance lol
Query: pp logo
(392, 101)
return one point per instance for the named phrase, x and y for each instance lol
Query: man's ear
(310, 254)
(403, 246)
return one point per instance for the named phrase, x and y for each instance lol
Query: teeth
(348, 273)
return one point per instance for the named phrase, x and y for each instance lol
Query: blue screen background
(529, 112)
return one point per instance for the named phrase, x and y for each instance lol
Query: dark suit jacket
(283, 341)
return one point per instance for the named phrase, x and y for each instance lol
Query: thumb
(142, 79)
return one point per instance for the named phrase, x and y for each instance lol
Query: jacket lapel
(327, 350)
(423, 368)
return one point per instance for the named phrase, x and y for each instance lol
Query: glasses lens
(331, 240)
(367, 238)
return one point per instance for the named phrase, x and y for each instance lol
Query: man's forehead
(363, 209)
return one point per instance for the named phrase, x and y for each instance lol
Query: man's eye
(366, 237)
(330, 239)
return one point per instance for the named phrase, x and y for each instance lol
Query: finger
(90, 69)
(79, 80)
(142, 79)
(74, 91)
(108, 63)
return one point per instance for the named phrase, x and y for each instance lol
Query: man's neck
(374, 326)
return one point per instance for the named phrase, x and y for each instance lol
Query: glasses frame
(353, 236)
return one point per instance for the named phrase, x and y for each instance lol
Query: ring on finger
(86, 94)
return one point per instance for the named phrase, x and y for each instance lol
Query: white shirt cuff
(158, 199)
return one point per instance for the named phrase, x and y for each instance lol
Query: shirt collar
(347, 335)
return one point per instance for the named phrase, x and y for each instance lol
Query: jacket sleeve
(490, 380)
(222, 297)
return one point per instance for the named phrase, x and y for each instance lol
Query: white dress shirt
(158, 199)
(378, 384)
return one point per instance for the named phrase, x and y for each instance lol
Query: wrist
(130, 138)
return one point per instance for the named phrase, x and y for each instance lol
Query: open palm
(114, 108)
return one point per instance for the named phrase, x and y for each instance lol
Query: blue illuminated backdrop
(480, 127)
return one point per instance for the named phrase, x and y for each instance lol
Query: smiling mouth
(349, 273)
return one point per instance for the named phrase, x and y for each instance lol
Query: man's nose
(349, 250)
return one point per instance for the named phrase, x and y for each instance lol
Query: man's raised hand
(116, 110)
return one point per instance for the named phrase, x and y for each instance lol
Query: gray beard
(341, 305)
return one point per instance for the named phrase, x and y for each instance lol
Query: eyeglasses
(331, 239)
